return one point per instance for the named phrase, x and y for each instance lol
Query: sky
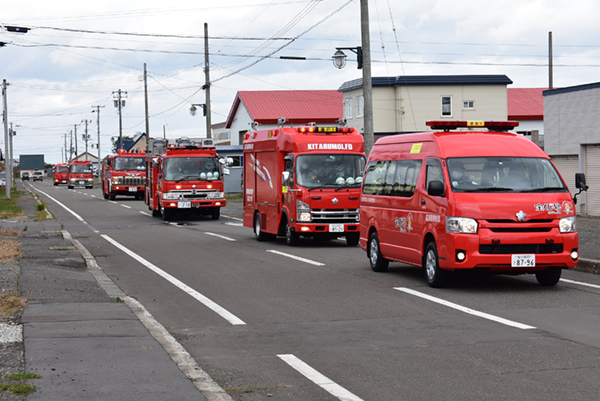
(77, 55)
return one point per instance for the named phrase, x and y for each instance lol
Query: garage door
(592, 177)
(567, 167)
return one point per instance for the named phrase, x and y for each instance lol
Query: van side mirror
(435, 188)
(580, 181)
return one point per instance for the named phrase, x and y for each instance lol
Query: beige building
(405, 103)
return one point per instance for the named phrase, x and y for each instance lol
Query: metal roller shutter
(567, 167)
(592, 177)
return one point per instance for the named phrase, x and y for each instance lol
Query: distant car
(25, 176)
(38, 175)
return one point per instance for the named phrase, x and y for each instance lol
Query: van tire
(435, 276)
(291, 237)
(549, 277)
(352, 239)
(378, 262)
(258, 232)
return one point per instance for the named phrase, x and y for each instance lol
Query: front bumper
(193, 204)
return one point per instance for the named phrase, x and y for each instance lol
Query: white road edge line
(225, 314)
(580, 283)
(320, 380)
(465, 309)
(78, 217)
(144, 213)
(220, 236)
(312, 262)
(232, 218)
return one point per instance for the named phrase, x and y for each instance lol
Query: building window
(446, 106)
(469, 105)
(348, 108)
(360, 106)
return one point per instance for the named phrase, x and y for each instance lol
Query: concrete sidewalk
(85, 337)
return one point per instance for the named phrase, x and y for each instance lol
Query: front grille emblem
(521, 215)
(335, 201)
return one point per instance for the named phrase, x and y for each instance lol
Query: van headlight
(567, 225)
(462, 225)
(303, 211)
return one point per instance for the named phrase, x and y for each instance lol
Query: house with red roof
(526, 105)
(265, 109)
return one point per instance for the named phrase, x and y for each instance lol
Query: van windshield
(504, 174)
(329, 170)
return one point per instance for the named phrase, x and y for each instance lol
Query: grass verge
(17, 383)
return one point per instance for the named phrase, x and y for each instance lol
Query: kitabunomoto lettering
(436, 218)
(329, 146)
(551, 208)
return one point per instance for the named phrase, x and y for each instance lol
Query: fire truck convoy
(303, 181)
(60, 173)
(185, 177)
(124, 174)
(81, 174)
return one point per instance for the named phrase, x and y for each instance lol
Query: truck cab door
(288, 185)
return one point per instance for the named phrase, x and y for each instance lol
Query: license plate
(523, 261)
(81, 182)
(184, 204)
(336, 228)
(132, 189)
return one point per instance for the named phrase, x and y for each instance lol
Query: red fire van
(472, 199)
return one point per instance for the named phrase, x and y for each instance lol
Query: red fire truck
(303, 181)
(60, 173)
(124, 174)
(81, 174)
(184, 176)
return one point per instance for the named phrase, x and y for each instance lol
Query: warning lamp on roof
(447, 125)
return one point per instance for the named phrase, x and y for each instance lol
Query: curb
(588, 266)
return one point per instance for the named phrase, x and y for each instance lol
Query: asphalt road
(313, 322)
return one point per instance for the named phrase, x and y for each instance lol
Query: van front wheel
(549, 277)
(378, 262)
(436, 277)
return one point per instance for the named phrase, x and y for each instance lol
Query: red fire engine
(81, 174)
(60, 173)
(124, 174)
(303, 181)
(184, 176)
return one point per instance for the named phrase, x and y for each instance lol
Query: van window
(394, 178)
(434, 172)
(504, 174)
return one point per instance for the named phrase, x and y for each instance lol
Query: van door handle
(422, 201)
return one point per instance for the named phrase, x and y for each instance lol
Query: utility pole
(71, 146)
(146, 107)
(550, 72)
(11, 133)
(97, 111)
(76, 151)
(207, 81)
(119, 103)
(65, 159)
(7, 168)
(86, 138)
(367, 82)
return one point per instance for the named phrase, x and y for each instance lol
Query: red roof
(526, 103)
(298, 107)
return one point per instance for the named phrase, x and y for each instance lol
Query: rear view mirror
(435, 188)
(580, 181)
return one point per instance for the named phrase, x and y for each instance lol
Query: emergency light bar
(490, 125)
(327, 130)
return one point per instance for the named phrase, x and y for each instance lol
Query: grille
(194, 194)
(333, 216)
(506, 249)
(520, 229)
(132, 180)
